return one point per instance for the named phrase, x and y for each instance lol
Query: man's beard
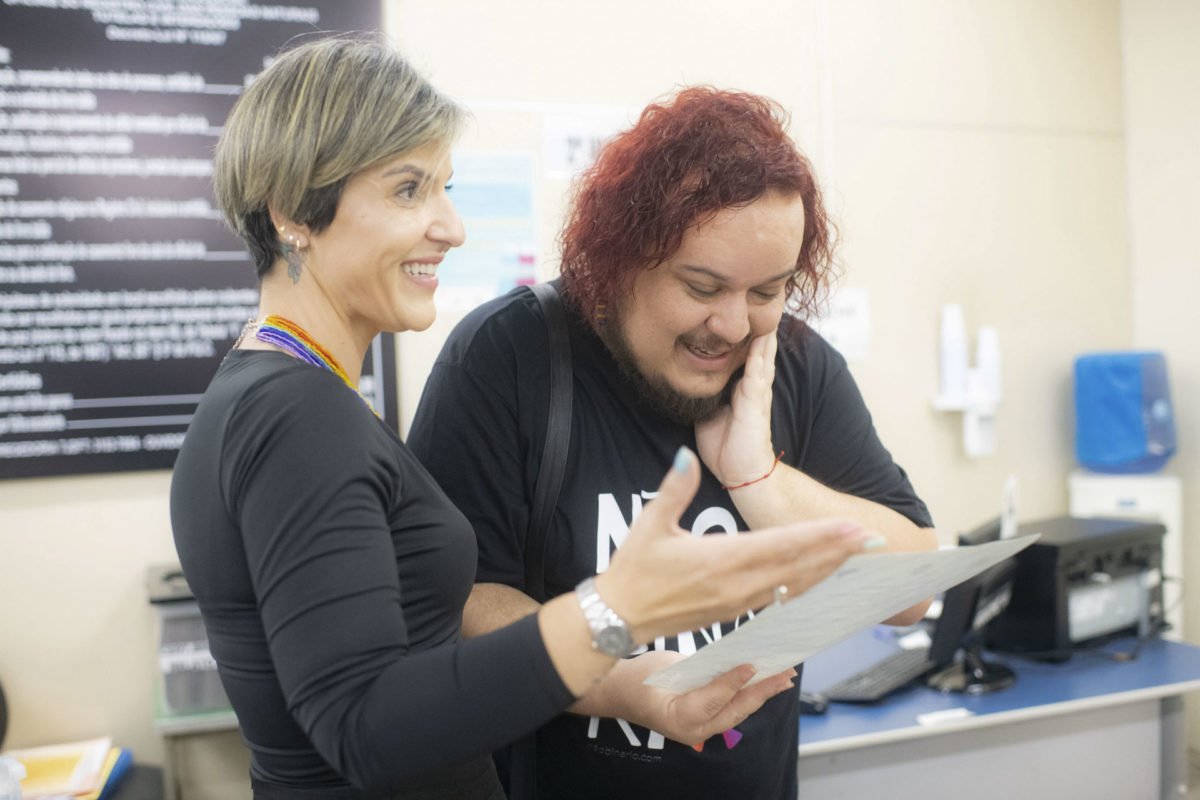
(655, 392)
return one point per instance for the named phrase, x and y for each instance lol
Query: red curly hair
(686, 159)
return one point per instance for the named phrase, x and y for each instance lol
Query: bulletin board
(120, 288)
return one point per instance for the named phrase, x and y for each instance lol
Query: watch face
(614, 641)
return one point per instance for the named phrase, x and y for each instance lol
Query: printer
(1084, 580)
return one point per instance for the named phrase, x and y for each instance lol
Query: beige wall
(588, 55)
(974, 153)
(979, 155)
(77, 649)
(1162, 121)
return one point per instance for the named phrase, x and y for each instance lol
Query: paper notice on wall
(847, 324)
(573, 135)
(494, 196)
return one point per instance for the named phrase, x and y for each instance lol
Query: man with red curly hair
(693, 248)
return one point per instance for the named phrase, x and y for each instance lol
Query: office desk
(1089, 728)
(176, 729)
(142, 782)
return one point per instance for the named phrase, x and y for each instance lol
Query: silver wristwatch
(610, 634)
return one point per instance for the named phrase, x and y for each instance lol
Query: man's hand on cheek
(735, 443)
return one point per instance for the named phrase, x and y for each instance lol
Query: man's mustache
(710, 343)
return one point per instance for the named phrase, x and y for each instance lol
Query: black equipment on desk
(1085, 580)
(966, 611)
(882, 678)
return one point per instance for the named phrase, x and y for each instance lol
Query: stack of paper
(87, 770)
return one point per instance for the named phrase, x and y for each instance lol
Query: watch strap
(610, 633)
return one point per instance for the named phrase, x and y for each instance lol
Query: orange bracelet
(774, 464)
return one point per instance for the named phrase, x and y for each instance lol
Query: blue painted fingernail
(683, 460)
(875, 542)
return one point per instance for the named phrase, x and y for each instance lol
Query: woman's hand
(663, 580)
(735, 443)
(691, 717)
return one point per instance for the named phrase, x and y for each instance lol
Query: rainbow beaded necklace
(295, 341)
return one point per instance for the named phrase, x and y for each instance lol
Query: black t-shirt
(331, 571)
(479, 429)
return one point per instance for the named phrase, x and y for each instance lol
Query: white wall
(518, 63)
(974, 153)
(1162, 120)
(77, 648)
(979, 153)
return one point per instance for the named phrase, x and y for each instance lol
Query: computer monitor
(966, 610)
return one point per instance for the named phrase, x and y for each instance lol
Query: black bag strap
(517, 763)
(558, 440)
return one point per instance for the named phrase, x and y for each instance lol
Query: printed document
(866, 590)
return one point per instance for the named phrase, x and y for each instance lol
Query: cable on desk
(1096, 649)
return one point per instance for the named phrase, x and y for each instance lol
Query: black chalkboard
(120, 288)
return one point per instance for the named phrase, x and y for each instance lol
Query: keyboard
(881, 678)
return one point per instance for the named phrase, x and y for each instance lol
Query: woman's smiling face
(378, 258)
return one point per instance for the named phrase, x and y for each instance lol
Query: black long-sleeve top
(331, 573)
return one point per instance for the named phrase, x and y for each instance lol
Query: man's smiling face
(685, 325)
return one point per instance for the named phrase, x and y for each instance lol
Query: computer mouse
(813, 703)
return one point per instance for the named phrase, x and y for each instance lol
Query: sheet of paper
(866, 590)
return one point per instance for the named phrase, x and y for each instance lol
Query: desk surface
(142, 782)
(1088, 680)
(167, 724)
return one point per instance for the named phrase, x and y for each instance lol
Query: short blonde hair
(319, 114)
